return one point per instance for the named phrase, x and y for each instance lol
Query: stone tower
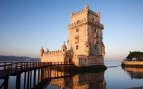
(84, 44)
(85, 33)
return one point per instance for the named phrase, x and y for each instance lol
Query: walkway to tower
(35, 73)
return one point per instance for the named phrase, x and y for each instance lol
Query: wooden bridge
(30, 70)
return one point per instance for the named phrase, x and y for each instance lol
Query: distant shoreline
(17, 58)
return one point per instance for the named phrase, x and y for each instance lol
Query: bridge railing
(17, 66)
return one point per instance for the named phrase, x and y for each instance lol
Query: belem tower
(84, 45)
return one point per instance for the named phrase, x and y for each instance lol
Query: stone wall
(53, 56)
(88, 60)
(78, 39)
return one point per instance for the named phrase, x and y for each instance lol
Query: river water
(113, 78)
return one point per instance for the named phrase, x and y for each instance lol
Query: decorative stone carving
(85, 46)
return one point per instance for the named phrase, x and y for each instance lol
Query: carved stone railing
(77, 23)
(84, 21)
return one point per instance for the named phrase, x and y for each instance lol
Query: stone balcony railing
(77, 23)
(84, 21)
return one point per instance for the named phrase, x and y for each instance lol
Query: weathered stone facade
(54, 56)
(85, 45)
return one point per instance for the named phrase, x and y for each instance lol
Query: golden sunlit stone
(84, 45)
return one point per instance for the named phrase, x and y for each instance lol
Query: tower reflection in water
(45, 78)
(78, 81)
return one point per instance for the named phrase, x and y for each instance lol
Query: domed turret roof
(41, 48)
(64, 46)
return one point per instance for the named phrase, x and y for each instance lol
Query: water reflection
(45, 78)
(134, 73)
(51, 78)
(81, 81)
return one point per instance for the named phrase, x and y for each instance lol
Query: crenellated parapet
(85, 16)
(54, 56)
(53, 53)
(77, 23)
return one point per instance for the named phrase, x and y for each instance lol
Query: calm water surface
(112, 78)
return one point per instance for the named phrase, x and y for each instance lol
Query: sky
(28, 25)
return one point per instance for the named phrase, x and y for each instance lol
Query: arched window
(86, 45)
(77, 30)
(94, 30)
(63, 49)
(76, 47)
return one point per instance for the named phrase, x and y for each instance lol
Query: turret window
(77, 30)
(94, 30)
(76, 47)
(86, 45)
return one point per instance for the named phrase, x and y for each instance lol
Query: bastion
(84, 46)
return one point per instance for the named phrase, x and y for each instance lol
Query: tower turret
(64, 48)
(41, 51)
(98, 12)
(86, 7)
(72, 14)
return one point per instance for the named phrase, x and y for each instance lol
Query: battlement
(54, 56)
(53, 53)
(85, 16)
(84, 12)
